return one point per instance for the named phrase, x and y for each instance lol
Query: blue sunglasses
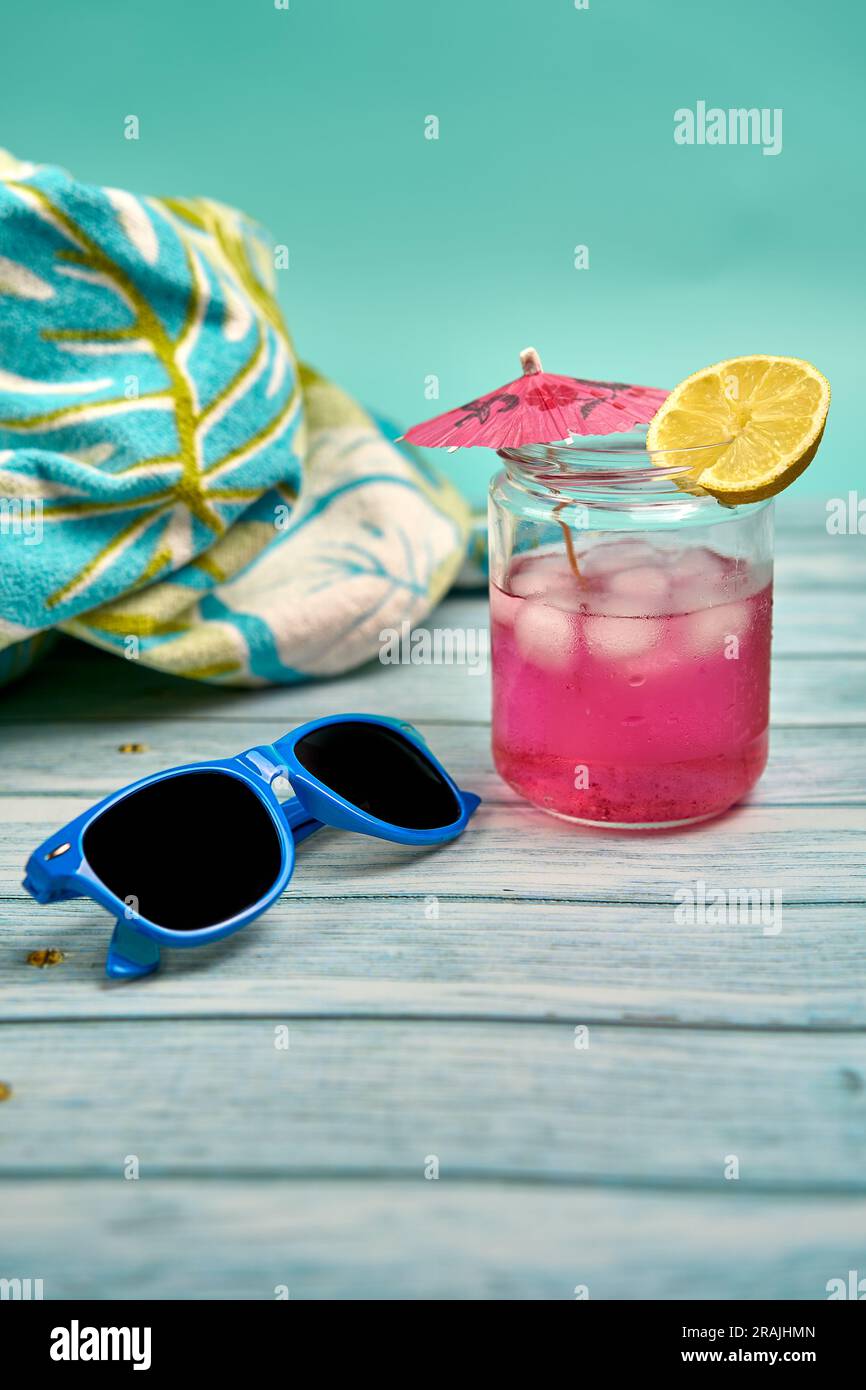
(187, 856)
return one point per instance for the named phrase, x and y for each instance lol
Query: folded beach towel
(174, 485)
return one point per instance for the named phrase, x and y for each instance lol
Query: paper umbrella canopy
(539, 408)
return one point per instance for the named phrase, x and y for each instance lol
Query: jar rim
(588, 452)
(617, 470)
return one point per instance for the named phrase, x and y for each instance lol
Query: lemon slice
(763, 418)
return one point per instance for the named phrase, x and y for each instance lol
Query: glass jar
(630, 628)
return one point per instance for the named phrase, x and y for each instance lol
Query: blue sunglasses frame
(58, 870)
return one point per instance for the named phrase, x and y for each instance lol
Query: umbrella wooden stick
(569, 543)
(531, 363)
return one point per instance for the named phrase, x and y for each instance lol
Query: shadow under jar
(630, 626)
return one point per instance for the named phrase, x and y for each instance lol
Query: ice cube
(610, 556)
(545, 636)
(745, 579)
(622, 638)
(568, 594)
(535, 574)
(698, 563)
(503, 607)
(697, 579)
(636, 593)
(643, 579)
(706, 632)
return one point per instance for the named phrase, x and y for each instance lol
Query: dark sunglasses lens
(187, 852)
(379, 771)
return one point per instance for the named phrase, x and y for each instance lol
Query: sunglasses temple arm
(130, 954)
(299, 820)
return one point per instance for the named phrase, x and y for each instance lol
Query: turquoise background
(411, 257)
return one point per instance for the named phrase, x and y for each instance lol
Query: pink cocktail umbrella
(540, 408)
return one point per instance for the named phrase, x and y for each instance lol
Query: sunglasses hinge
(264, 761)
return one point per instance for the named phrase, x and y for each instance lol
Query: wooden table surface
(431, 1002)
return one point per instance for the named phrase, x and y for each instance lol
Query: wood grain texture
(349, 1097)
(415, 1239)
(810, 766)
(572, 962)
(431, 1001)
(809, 687)
(512, 852)
(819, 650)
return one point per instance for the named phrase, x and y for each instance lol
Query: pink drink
(638, 694)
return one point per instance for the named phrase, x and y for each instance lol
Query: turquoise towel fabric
(174, 485)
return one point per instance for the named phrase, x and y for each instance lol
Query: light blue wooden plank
(811, 685)
(422, 1240)
(649, 1104)
(512, 852)
(376, 958)
(352, 1097)
(98, 689)
(820, 614)
(38, 759)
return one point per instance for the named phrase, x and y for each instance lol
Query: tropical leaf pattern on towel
(206, 505)
(157, 395)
